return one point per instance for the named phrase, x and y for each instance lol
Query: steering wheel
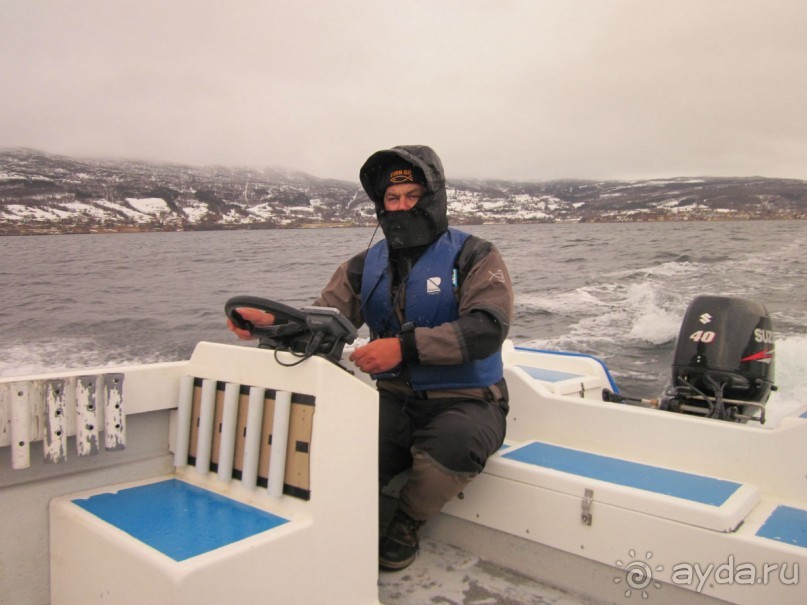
(289, 322)
(304, 332)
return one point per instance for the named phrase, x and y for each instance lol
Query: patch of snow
(19, 212)
(196, 211)
(85, 209)
(688, 208)
(149, 205)
(657, 182)
(263, 211)
(125, 210)
(668, 204)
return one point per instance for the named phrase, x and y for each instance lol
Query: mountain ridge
(49, 193)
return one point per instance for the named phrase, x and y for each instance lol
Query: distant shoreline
(119, 229)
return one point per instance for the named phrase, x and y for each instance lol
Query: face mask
(407, 228)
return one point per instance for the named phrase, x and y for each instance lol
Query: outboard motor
(724, 360)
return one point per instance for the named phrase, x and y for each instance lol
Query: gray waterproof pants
(445, 441)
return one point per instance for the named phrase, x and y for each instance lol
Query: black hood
(428, 219)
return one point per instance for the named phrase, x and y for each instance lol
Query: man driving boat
(438, 303)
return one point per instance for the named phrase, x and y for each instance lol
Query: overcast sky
(521, 89)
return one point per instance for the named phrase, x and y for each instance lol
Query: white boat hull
(544, 506)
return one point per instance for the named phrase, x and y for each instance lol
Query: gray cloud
(530, 89)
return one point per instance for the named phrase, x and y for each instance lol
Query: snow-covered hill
(44, 193)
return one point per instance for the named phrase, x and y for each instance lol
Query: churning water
(617, 291)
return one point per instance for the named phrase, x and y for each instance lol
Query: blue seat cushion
(179, 519)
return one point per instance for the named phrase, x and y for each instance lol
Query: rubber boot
(399, 544)
(425, 493)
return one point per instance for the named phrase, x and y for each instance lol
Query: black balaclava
(422, 224)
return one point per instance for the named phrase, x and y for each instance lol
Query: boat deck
(448, 575)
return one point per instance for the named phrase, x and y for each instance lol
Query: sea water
(618, 291)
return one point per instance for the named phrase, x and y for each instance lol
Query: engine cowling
(723, 366)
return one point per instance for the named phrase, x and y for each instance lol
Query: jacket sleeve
(485, 312)
(343, 291)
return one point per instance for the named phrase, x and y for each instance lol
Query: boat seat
(786, 524)
(695, 499)
(256, 504)
(179, 519)
(561, 382)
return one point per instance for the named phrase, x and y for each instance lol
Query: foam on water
(790, 372)
(57, 355)
(570, 303)
(649, 319)
(612, 312)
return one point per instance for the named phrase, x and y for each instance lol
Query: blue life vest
(431, 300)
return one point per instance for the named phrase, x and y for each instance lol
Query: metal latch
(585, 513)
